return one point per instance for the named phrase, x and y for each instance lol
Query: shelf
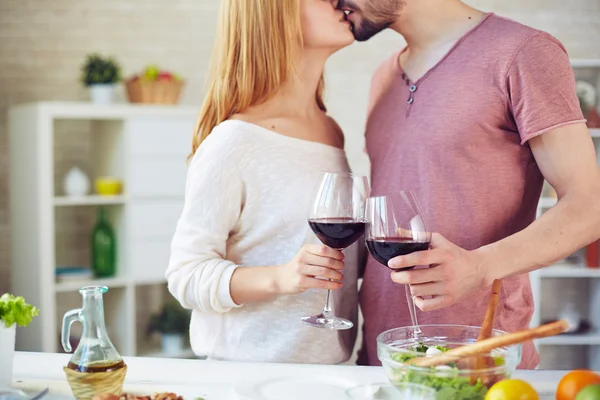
(588, 339)
(585, 63)
(569, 271)
(73, 286)
(150, 281)
(88, 110)
(61, 201)
(110, 282)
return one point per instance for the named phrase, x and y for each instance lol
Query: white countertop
(211, 380)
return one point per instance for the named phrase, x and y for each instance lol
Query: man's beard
(381, 15)
(366, 29)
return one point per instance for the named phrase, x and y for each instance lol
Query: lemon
(512, 389)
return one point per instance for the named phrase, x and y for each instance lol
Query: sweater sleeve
(199, 274)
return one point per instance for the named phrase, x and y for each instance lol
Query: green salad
(445, 379)
(14, 310)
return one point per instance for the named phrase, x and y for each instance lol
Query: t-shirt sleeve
(541, 87)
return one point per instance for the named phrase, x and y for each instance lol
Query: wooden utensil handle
(487, 345)
(490, 313)
(485, 361)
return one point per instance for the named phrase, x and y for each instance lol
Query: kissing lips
(348, 12)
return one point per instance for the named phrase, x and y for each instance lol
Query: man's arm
(567, 159)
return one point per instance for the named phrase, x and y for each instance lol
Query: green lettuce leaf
(448, 386)
(14, 310)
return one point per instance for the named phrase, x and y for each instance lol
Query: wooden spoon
(485, 361)
(487, 345)
(490, 313)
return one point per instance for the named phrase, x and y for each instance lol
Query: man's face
(369, 17)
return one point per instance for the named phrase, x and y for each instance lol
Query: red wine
(337, 233)
(384, 249)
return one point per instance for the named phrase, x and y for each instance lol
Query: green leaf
(421, 348)
(14, 310)
(99, 70)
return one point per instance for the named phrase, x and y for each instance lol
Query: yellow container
(106, 186)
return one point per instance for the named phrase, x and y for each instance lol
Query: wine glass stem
(412, 309)
(327, 310)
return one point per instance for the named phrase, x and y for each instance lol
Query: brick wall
(43, 42)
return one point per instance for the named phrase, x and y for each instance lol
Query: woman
(239, 256)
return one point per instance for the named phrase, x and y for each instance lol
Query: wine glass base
(321, 321)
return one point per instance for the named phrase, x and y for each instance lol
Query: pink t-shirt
(459, 141)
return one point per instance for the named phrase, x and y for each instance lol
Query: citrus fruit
(590, 392)
(512, 389)
(573, 382)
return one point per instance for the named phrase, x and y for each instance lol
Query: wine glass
(397, 227)
(338, 219)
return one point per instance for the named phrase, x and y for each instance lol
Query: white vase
(7, 354)
(172, 344)
(76, 183)
(102, 93)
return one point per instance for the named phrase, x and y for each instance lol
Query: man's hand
(454, 273)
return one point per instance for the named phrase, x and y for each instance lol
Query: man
(472, 116)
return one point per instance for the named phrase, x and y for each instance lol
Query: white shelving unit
(145, 147)
(92, 200)
(564, 282)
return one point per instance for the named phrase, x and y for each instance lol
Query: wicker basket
(153, 92)
(86, 385)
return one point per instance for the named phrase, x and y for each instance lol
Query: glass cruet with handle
(96, 366)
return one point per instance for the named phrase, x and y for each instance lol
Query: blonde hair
(255, 52)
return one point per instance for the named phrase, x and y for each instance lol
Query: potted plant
(173, 323)
(13, 311)
(100, 75)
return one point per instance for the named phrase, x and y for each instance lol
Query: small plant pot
(171, 343)
(7, 354)
(102, 93)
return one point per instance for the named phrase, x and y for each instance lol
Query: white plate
(295, 388)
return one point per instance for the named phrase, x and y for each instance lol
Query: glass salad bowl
(453, 381)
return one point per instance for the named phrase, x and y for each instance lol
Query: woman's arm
(199, 276)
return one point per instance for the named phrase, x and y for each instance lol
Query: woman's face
(323, 26)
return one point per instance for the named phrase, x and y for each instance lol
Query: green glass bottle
(104, 248)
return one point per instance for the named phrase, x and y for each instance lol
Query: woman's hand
(255, 284)
(312, 267)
